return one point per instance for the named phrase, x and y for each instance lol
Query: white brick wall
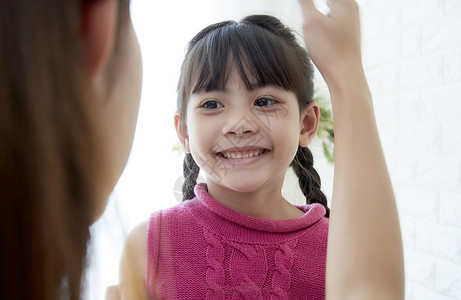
(412, 54)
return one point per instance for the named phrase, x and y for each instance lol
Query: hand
(333, 40)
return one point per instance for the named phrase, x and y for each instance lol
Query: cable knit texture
(202, 249)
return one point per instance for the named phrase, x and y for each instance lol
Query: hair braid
(190, 172)
(309, 179)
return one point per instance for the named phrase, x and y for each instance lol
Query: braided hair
(190, 172)
(309, 179)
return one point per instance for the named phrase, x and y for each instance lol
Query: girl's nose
(240, 124)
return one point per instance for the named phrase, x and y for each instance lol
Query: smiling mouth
(240, 155)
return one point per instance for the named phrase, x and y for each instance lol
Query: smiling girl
(246, 114)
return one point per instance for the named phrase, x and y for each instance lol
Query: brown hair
(264, 52)
(49, 153)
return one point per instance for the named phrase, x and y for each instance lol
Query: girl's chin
(237, 185)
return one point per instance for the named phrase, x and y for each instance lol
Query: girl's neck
(267, 202)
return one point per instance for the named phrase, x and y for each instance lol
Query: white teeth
(239, 155)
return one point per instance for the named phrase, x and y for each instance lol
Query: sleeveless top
(202, 249)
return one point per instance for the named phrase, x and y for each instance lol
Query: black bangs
(260, 57)
(259, 48)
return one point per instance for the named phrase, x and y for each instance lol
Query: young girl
(245, 114)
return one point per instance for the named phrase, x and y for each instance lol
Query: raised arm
(365, 257)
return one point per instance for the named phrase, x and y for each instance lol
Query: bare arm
(364, 257)
(132, 267)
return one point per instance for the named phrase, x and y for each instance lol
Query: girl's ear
(181, 130)
(309, 123)
(98, 31)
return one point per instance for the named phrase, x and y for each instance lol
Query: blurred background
(412, 58)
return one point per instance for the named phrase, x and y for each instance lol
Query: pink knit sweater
(202, 249)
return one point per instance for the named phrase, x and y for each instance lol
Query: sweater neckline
(232, 224)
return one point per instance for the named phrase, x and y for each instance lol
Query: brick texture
(412, 53)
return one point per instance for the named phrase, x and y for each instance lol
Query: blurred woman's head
(69, 94)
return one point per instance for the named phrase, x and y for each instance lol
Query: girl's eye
(211, 104)
(264, 101)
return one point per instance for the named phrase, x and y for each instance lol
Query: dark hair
(264, 52)
(50, 155)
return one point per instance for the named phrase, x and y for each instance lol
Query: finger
(342, 7)
(112, 293)
(308, 8)
(307, 4)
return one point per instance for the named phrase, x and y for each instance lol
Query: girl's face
(243, 139)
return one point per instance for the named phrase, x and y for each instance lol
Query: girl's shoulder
(180, 212)
(133, 263)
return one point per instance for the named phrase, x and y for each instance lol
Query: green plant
(177, 147)
(325, 131)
